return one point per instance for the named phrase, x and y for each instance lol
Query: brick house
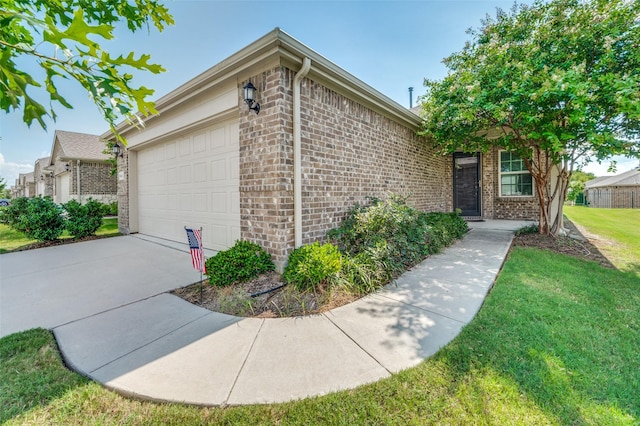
(322, 142)
(25, 185)
(43, 176)
(80, 168)
(619, 192)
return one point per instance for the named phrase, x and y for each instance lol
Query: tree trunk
(551, 185)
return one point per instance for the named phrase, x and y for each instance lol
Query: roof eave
(278, 46)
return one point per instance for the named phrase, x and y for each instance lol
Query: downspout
(297, 156)
(78, 179)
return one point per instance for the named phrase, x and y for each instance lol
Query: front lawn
(555, 343)
(10, 239)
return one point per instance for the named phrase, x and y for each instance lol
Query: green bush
(242, 262)
(41, 220)
(313, 266)
(83, 219)
(391, 236)
(529, 229)
(11, 214)
(110, 209)
(365, 272)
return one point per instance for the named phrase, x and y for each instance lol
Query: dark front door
(466, 183)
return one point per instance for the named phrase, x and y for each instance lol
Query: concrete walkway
(162, 348)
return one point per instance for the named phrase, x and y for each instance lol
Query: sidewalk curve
(163, 348)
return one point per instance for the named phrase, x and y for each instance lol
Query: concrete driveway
(53, 286)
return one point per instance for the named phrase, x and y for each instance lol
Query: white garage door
(192, 181)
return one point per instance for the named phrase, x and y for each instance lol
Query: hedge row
(42, 219)
(374, 244)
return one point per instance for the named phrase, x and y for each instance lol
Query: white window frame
(501, 173)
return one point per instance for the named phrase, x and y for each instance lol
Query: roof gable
(77, 146)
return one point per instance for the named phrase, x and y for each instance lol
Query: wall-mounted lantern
(250, 97)
(117, 151)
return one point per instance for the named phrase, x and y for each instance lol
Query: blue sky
(390, 45)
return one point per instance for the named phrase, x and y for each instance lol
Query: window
(515, 179)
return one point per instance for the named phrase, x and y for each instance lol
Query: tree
(576, 184)
(556, 83)
(4, 191)
(59, 35)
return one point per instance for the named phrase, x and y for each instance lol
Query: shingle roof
(80, 146)
(630, 178)
(44, 161)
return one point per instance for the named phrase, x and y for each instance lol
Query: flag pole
(201, 265)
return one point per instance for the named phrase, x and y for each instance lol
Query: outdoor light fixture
(250, 97)
(116, 150)
(67, 167)
(41, 177)
(51, 174)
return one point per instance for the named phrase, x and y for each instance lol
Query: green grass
(555, 343)
(11, 239)
(619, 228)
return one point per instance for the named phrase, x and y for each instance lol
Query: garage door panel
(218, 139)
(235, 203)
(184, 147)
(200, 143)
(194, 182)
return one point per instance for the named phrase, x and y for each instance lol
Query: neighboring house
(80, 168)
(43, 175)
(322, 142)
(621, 191)
(25, 185)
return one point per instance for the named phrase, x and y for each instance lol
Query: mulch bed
(283, 301)
(580, 248)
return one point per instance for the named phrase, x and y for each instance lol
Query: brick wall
(349, 152)
(496, 207)
(96, 181)
(122, 184)
(266, 166)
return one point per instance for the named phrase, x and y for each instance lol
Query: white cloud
(10, 171)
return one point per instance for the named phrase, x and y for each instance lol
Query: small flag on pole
(195, 246)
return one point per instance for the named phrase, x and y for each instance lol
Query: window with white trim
(515, 179)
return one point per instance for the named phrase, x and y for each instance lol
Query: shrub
(83, 219)
(392, 236)
(529, 229)
(41, 220)
(365, 272)
(110, 209)
(402, 228)
(242, 262)
(11, 215)
(313, 266)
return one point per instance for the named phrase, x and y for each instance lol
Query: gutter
(78, 180)
(297, 156)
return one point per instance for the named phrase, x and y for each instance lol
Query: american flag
(197, 251)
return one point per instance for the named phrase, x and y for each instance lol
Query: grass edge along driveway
(555, 343)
